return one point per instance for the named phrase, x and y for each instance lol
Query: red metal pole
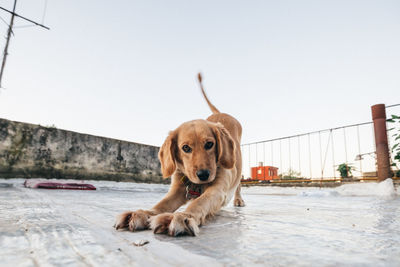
(381, 141)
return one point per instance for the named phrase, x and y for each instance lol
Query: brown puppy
(204, 159)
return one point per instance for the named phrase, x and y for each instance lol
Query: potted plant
(395, 121)
(345, 170)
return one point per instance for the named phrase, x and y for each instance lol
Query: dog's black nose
(203, 174)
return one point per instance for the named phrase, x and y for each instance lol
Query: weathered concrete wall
(28, 150)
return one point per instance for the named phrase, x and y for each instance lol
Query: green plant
(291, 174)
(395, 120)
(345, 170)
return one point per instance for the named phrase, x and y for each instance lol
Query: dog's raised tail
(212, 107)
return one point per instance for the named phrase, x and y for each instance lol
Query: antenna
(10, 31)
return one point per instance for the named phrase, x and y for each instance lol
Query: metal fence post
(381, 141)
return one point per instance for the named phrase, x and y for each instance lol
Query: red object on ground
(70, 186)
(58, 185)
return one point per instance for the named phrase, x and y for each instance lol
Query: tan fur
(223, 160)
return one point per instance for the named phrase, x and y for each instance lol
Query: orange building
(264, 173)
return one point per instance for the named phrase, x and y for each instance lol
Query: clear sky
(127, 69)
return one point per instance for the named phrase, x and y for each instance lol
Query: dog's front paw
(133, 220)
(174, 224)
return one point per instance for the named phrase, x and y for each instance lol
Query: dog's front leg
(188, 222)
(139, 219)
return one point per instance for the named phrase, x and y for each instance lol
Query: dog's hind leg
(238, 201)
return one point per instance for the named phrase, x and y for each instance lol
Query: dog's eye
(187, 149)
(208, 145)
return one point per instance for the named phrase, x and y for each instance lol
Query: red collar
(192, 190)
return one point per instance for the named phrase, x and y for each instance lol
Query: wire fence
(315, 155)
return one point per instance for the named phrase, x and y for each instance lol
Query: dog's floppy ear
(225, 146)
(167, 155)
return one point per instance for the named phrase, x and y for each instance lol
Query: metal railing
(316, 155)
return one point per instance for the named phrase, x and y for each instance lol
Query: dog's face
(197, 148)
